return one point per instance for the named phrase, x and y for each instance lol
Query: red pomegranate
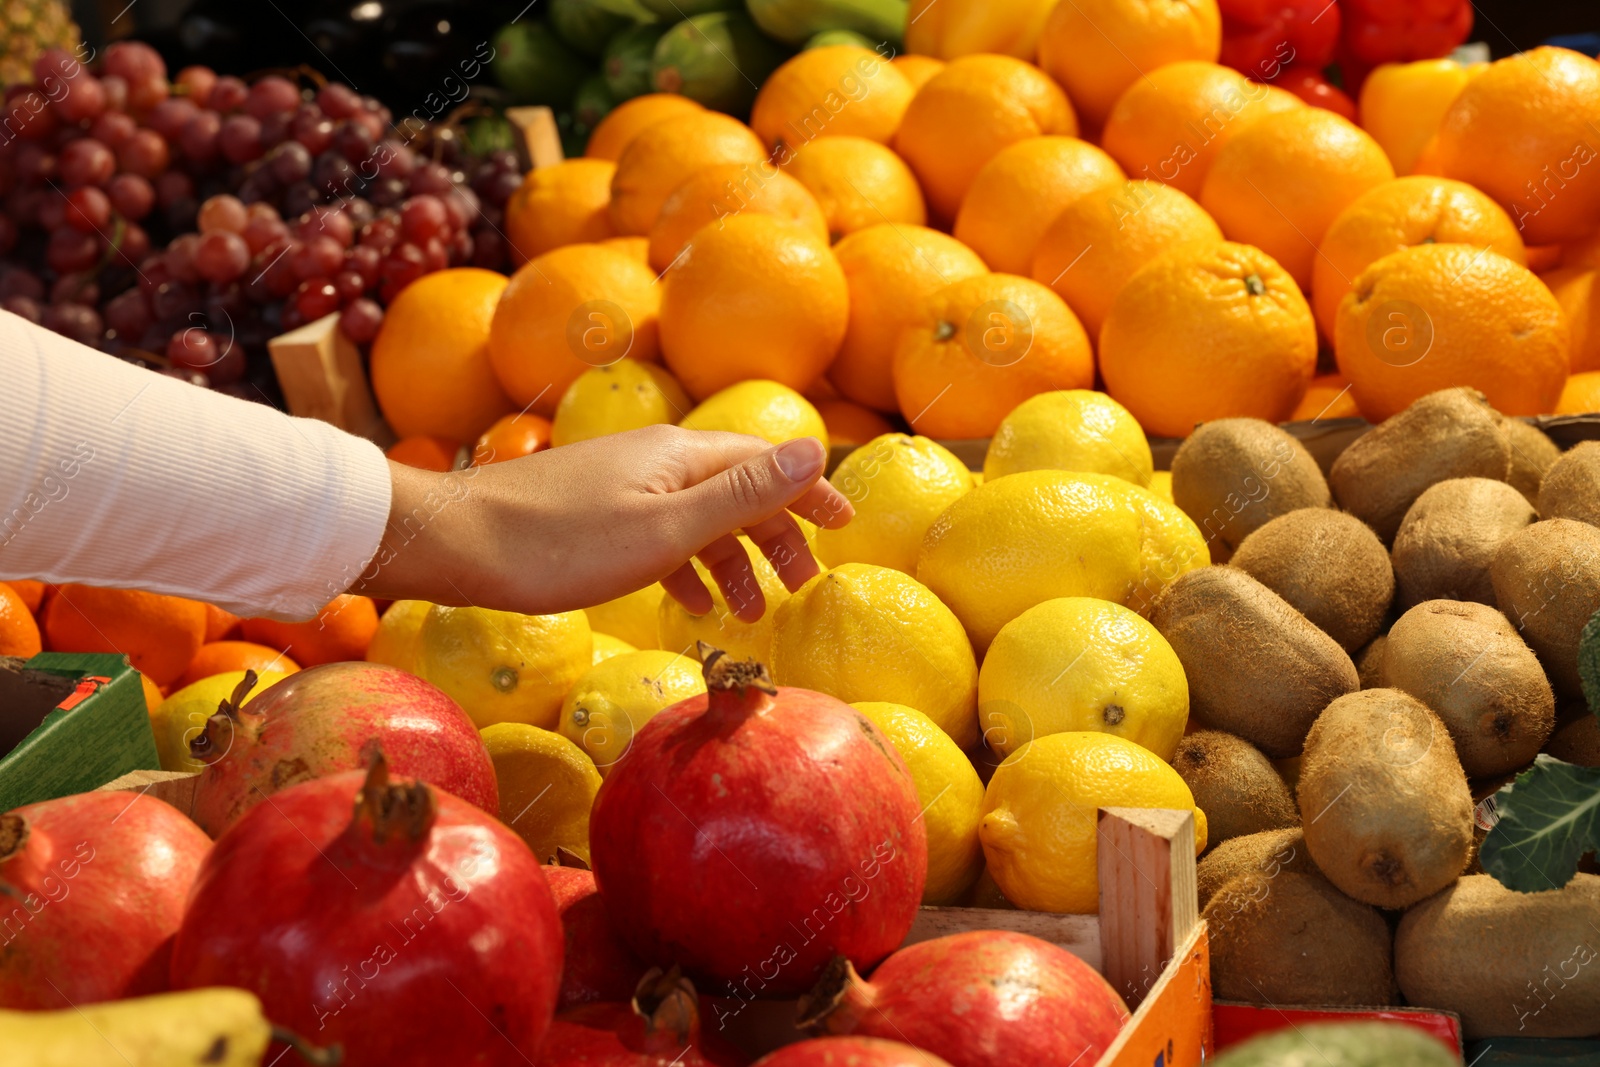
(329, 719)
(91, 891)
(753, 833)
(599, 967)
(387, 917)
(660, 1028)
(988, 998)
(851, 1052)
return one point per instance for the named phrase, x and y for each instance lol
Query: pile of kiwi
(1374, 650)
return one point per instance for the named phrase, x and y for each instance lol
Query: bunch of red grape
(184, 224)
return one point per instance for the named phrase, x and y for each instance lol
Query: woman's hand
(579, 525)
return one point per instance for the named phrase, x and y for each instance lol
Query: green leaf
(1547, 820)
(1589, 662)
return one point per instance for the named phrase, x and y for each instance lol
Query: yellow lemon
(1070, 430)
(394, 642)
(873, 633)
(1025, 538)
(607, 647)
(949, 792)
(1082, 664)
(631, 617)
(719, 627)
(761, 408)
(547, 786)
(626, 395)
(899, 485)
(1171, 544)
(181, 717)
(613, 699)
(501, 666)
(1161, 485)
(977, 479)
(1040, 814)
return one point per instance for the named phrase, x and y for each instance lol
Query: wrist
(413, 559)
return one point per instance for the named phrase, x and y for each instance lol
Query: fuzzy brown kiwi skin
(1509, 963)
(1293, 938)
(1369, 662)
(1467, 663)
(1383, 800)
(1269, 851)
(1234, 784)
(1256, 667)
(1329, 566)
(1571, 487)
(1532, 456)
(1449, 537)
(1547, 582)
(1576, 741)
(1233, 476)
(1449, 434)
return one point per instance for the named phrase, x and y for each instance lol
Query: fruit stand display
(1214, 384)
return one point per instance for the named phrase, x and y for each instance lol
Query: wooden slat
(319, 370)
(540, 136)
(1147, 894)
(175, 787)
(1173, 1025)
(1078, 934)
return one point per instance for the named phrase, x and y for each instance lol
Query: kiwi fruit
(1292, 938)
(1256, 667)
(1269, 850)
(1532, 454)
(1453, 433)
(1571, 487)
(1369, 662)
(1510, 964)
(1577, 742)
(1233, 476)
(1546, 580)
(1467, 663)
(1329, 566)
(1384, 803)
(1234, 784)
(1449, 536)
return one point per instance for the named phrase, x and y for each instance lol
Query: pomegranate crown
(667, 1003)
(394, 809)
(212, 743)
(13, 834)
(723, 672)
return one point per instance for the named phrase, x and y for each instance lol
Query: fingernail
(799, 459)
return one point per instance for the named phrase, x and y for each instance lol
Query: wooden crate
(70, 721)
(1148, 941)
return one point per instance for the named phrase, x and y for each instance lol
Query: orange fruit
(1402, 105)
(1097, 48)
(850, 423)
(979, 347)
(562, 204)
(951, 28)
(891, 270)
(1543, 258)
(1584, 253)
(1170, 124)
(633, 245)
(1097, 243)
(153, 696)
(1574, 290)
(857, 183)
(917, 69)
(1020, 191)
(1281, 181)
(1421, 209)
(31, 592)
(1527, 131)
(19, 633)
(1580, 396)
(219, 657)
(756, 297)
(664, 154)
(1436, 316)
(158, 634)
(1208, 331)
(715, 193)
(430, 361)
(340, 631)
(1327, 397)
(571, 309)
(219, 623)
(425, 453)
(967, 113)
(839, 90)
(512, 437)
(631, 117)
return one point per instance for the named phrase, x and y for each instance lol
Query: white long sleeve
(117, 476)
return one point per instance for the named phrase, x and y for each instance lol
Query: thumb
(751, 490)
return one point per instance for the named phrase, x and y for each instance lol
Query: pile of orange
(1049, 196)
